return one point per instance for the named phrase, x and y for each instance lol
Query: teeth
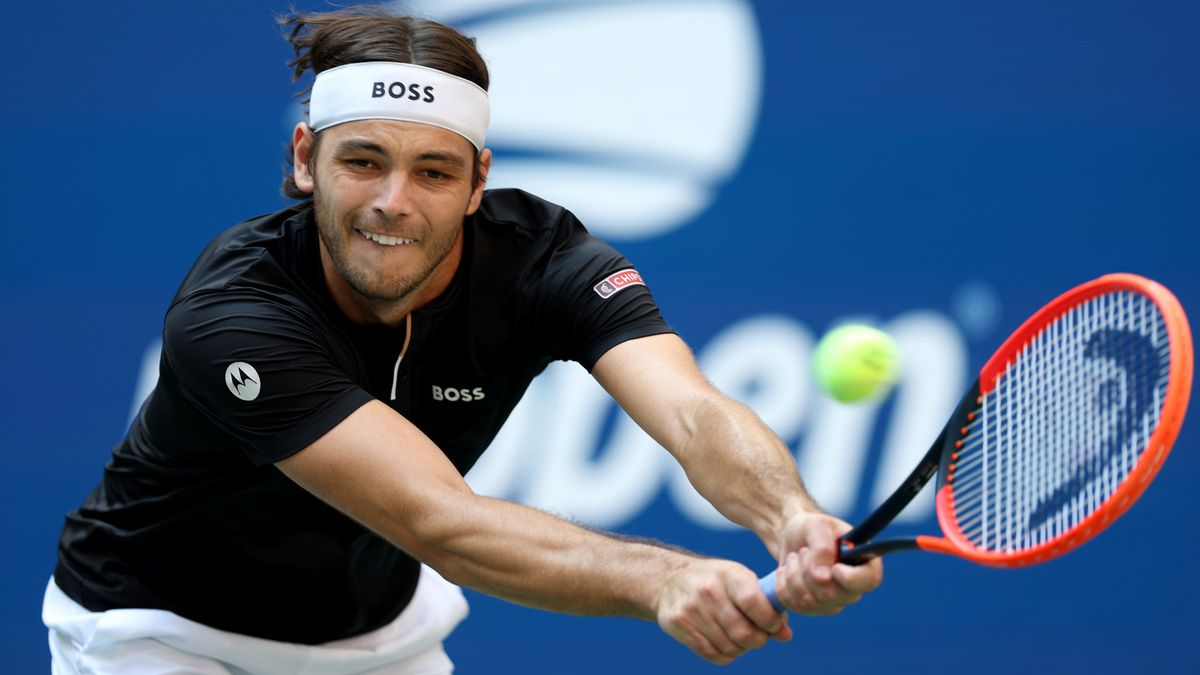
(384, 239)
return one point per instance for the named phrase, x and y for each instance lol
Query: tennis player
(290, 497)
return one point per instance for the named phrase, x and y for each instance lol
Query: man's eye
(435, 174)
(360, 163)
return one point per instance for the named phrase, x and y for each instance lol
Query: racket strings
(1064, 425)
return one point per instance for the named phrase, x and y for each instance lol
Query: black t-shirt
(257, 363)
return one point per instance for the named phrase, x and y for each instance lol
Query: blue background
(902, 150)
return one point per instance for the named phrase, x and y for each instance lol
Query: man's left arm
(739, 465)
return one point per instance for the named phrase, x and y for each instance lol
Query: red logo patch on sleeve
(616, 281)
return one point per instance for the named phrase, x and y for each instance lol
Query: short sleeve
(259, 369)
(595, 298)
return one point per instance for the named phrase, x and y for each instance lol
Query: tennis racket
(1067, 424)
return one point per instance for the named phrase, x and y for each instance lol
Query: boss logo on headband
(412, 92)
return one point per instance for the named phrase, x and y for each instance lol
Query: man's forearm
(734, 460)
(383, 472)
(526, 556)
(740, 466)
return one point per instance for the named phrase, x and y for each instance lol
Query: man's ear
(302, 145)
(485, 165)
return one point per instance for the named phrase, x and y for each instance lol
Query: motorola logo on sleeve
(631, 115)
(243, 381)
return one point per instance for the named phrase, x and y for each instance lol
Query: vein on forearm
(736, 462)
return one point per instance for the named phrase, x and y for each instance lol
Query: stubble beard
(372, 285)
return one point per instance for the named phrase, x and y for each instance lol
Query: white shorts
(158, 642)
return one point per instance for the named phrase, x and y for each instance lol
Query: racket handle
(852, 555)
(767, 584)
(846, 554)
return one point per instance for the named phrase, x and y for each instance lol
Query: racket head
(1075, 414)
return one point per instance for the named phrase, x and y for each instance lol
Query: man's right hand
(716, 609)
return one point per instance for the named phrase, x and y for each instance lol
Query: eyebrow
(444, 157)
(352, 145)
(359, 145)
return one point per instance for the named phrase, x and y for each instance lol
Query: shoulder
(535, 246)
(257, 251)
(514, 219)
(251, 278)
(517, 208)
(527, 220)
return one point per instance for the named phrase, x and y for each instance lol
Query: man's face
(390, 198)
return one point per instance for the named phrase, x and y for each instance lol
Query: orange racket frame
(1179, 384)
(857, 546)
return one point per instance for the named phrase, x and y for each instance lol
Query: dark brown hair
(324, 40)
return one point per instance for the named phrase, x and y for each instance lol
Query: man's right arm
(381, 470)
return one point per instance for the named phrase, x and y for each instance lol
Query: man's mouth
(385, 239)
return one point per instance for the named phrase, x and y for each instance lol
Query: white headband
(399, 91)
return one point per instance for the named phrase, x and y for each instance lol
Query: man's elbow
(438, 533)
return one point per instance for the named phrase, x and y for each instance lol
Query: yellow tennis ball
(854, 362)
